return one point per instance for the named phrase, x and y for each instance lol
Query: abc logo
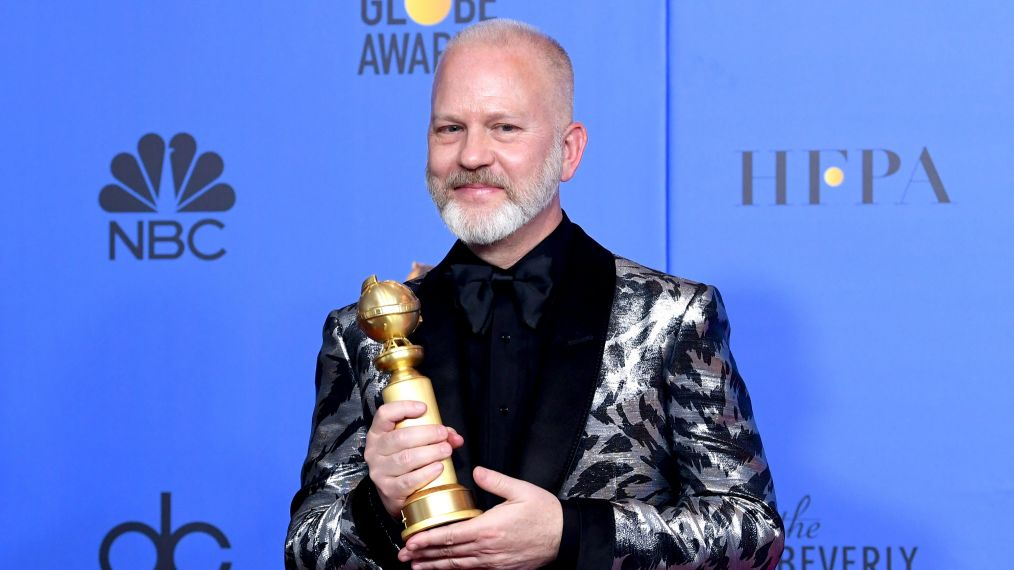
(165, 540)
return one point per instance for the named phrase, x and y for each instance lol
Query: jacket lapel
(570, 370)
(442, 354)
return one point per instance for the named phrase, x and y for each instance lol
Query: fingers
(463, 562)
(500, 484)
(521, 533)
(414, 480)
(461, 534)
(402, 439)
(413, 458)
(437, 552)
(400, 461)
(393, 412)
(454, 438)
(394, 490)
(403, 459)
(452, 546)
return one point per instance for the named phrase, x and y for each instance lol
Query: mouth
(476, 190)
(477, 186)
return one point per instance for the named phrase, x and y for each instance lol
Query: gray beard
(523, 203)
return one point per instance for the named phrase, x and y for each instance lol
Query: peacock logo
(142, 186)
(194, 188)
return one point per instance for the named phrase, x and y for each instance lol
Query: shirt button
(505, 338)
(504, 410)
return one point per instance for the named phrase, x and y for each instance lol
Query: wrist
(392, 507)
(556, 533)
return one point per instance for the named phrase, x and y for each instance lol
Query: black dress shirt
(502, 364)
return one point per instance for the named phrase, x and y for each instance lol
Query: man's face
(495, 148)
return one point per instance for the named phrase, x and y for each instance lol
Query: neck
(511, 249)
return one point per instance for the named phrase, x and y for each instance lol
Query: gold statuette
(388, 313)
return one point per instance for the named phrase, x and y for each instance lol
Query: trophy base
(437, 506)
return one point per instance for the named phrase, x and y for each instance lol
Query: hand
(401, 461)
(522, 532)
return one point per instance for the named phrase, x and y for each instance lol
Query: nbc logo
(140, 190)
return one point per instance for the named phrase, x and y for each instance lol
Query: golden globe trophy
(388, 312)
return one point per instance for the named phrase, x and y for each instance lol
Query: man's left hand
(522, 532)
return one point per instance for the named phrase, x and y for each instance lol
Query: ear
(575, 138)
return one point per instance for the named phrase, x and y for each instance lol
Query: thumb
(499, 484)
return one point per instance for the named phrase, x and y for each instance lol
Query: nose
(476, 151)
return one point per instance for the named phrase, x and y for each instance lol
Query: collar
(554, 246)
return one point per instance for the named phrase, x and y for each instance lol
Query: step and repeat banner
(192, 186)
(839, 171)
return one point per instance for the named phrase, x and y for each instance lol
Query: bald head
(501, 137)
(512, 35)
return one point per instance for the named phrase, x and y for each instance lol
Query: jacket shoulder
(631, 274)
(341, 321)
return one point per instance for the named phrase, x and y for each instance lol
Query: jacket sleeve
(721, 513)
(334, 521)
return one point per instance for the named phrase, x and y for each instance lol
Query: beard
(523, 201)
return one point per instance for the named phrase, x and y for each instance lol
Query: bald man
(591, 402)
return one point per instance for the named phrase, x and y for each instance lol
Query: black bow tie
(531, 284)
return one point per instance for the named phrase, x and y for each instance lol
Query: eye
(506, 128)
(449, 129)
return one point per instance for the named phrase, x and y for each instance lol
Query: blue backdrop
(831, 167)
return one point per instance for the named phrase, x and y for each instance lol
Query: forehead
(481, 77)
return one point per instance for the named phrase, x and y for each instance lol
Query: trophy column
(388, 312)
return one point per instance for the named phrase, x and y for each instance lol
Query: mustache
(483, 176)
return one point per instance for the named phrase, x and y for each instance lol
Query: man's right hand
(402, 461)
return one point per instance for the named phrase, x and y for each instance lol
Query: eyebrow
(496, 116)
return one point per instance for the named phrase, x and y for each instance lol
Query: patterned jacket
(642, 420)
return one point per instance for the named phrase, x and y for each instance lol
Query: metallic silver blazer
(666, 436)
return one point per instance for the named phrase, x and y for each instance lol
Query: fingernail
(419, 406)
(445, 448)
(441, 431)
